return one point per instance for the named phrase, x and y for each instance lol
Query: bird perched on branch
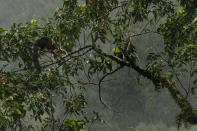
(118, 52)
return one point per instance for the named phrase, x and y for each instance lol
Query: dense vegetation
(96, 38)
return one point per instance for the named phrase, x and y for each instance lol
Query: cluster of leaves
(24, 92)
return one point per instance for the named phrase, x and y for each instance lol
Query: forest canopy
(95, 37)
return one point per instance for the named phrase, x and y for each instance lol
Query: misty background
(133, 103)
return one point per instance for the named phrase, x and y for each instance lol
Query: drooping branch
(180, 100)
(101, 80)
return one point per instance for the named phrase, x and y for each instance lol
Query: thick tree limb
(180, 100)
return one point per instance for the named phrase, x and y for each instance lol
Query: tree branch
(67, 56)
(101, 80)
(180, 100)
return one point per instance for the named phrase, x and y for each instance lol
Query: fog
(132, 104)
(15, 11)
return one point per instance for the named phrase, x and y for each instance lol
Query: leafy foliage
(84, 31)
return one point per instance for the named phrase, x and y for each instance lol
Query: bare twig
(101, 80)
